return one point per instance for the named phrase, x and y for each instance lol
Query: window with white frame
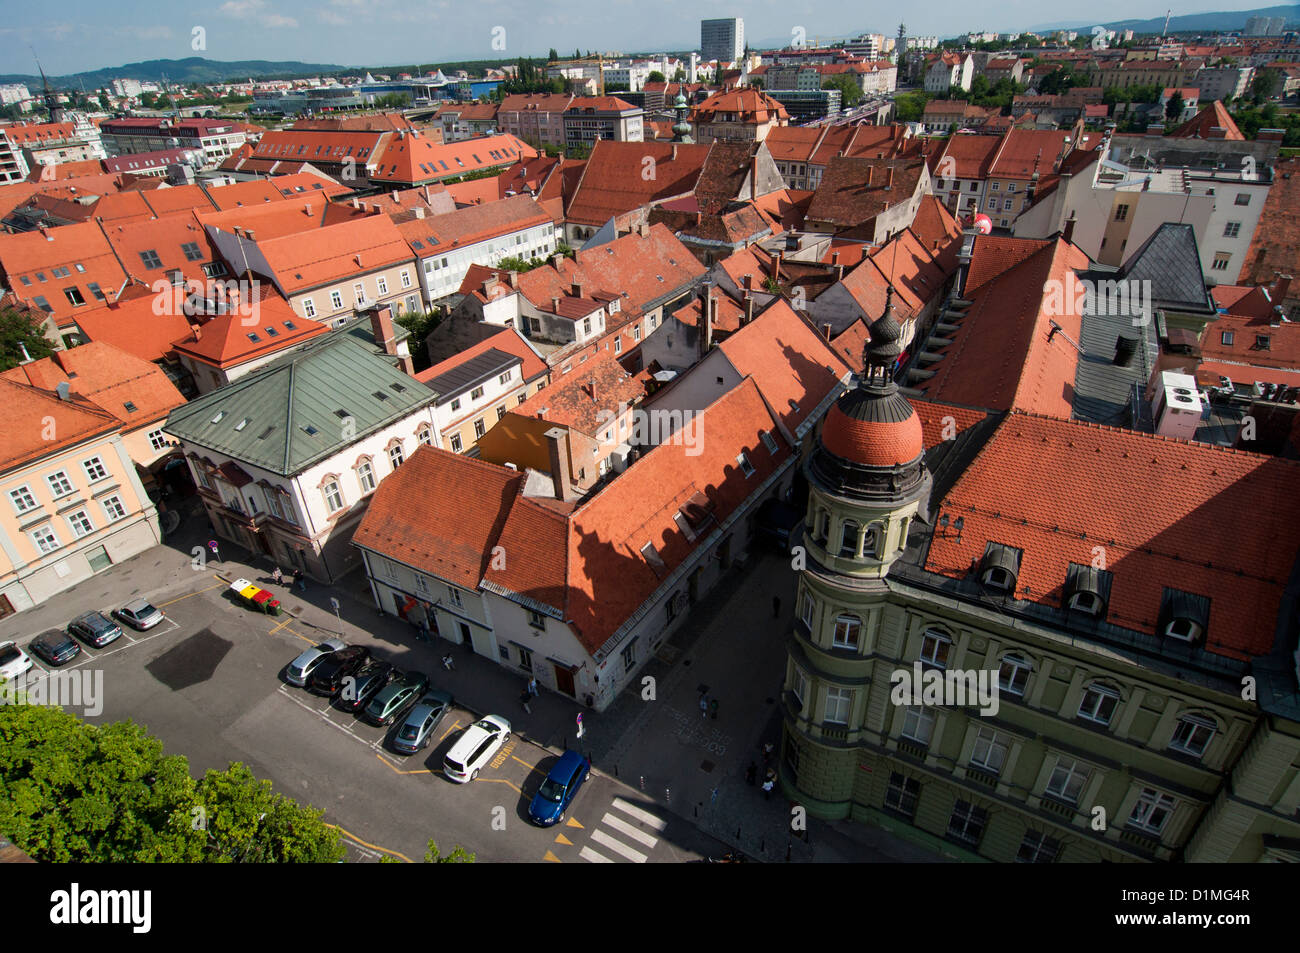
(1038, 848)
(806, 608)
(455, 443)
(59, 483)
(94, 468)
(935, 646)
(395, 455)
(1067, 780)
(406, 279)
(309, 307)
(476, 393)
(991, 749)
(157, 439)
(80, 523)
(1192, 734)
(918, 724)
(745, 465)
(359, 290)
(422, 584)
(1231, 229)
(453, 594)
(967, 822)
(366, 476)
(113, 508)
(333, 496)
(848, 630)
(44, 539)
(1152, 811)
(22, 498)
(479, 428)
(336, 299)
(1013, 675)
(839, 702)
(382, 282)
(1099, 703)
(505, 377)
(425, 436)
(799, 686)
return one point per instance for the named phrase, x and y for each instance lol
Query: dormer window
(1183, 615)
(1000, 568)
(1087, 590)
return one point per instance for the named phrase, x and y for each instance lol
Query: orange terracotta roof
(413, 160)
(108, 377)
(226, 340)
(1275, 247)
(584, 399)
(612, 182)
(1203, 124)
(28, 260)
(1054, 489)
(32, 409)
(334, 252)
(139, 244)
(749, 104)
(132, 326)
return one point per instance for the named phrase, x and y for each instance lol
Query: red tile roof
(1250, 312)
(165, 239)
(971, 157)
(81, 248)
(1004, 354)
(854, 190)
(749, 105)
(333, 253)
(107, 377)
(131, 325)
(224, 340)
(1203, 124)
(1055, 489)
(614, 181)
(412, 160)
(32, 409)
(1275, 247)
(508, 340)
(476, 223)
(1023, 152)
(584, 399)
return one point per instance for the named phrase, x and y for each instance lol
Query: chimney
(776, 266)
(839, 272)
(514, 279)
(381, 322)
(357, 258)
(1068, 232)
(749, 308)
(753, 179)
(673, 156)
(489, 285)
(397, 196)
(557, 441)
(419, 212)
(306, 209)
(46, 233)
(555, 303)
(427, 199)
(835, 258)
(356, 203)
(591, 388)
(63, 390)
(826, 331)
(248, 233)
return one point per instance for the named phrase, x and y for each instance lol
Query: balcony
(981, 776)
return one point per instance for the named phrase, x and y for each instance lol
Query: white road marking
(591, 857)
(618, 847)
(626, 829)
(645, 817)
(288, 693)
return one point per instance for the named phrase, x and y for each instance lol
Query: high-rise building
(722, 40)
(1265, 26)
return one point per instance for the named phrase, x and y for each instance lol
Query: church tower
(867, 483)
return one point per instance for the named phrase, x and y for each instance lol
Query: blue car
(557, 791)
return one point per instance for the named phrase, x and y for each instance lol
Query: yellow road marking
(552, 858)
(282, 625)
(503, 781)
(530, 767)
(571, 822)
(455, 726)
(160, 605)
(348, 834)
(397, 770)
(561, 839)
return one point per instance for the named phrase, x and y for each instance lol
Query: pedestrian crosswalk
(623, 835)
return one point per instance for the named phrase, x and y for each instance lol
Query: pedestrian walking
(448, 662)
(524, 697)
(713, 709)
(776, 607)
(767, 751)
(299, 580)
(767, 789)
(424, 631)
(532, 685)
(704, 706)
(751, 774)
(277, 577)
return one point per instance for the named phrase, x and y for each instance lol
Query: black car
(55, 647)
(366, 684)
(327, 678)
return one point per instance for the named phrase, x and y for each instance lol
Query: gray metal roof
(471, 373)
(1170, 260)
(1102, 389)
(302, 408)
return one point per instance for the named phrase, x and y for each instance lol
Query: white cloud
(258, 10)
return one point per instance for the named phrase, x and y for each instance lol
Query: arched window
(425, 435)
(871, 541)
(849, 538)
(848, 631)
(823, 526)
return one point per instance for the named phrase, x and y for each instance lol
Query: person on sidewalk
(277, 577)
(524, 697)
(448, 662)
(704, 706)
(299, 580)
(713, 709)
(767, 789)
(532, 686)
(424, 631)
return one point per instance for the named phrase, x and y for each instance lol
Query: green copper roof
(302, 408)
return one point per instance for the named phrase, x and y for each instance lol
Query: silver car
(415, 732)
(300, 669)
(139, 614)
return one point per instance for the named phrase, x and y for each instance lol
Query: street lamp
(334, 603)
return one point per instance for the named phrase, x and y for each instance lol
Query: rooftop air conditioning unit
(1179, 408)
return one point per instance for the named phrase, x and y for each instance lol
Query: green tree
(81, 793)
(655, 77)
(1174, 108)
(1265, 85)
(104, 103)
(419, 323)
(163, 102)
(25, 328)
(850, 91)
(679, 76)
(392, 101)
(148, 99)
(553, 55)
(910, 107)
(459, 855)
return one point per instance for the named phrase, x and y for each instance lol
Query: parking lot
(208, 681)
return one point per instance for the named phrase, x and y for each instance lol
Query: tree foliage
(459, 855)
(72, 792)
(850, 91)
(18, 329)
(910, 107)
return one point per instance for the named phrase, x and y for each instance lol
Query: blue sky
(78, 35)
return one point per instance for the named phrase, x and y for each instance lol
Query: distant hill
(195, 69)
(1222, 21)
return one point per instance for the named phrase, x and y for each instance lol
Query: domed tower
(682, 130)
(867, 482)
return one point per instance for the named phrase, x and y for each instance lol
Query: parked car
(556, 793)
(55, 647)
(300, 669)
(421, 722)
(475, 748)
(365, 685)
(13, 661)
(394, 699)
(95, 629)
(327, 677)
(139, 614)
